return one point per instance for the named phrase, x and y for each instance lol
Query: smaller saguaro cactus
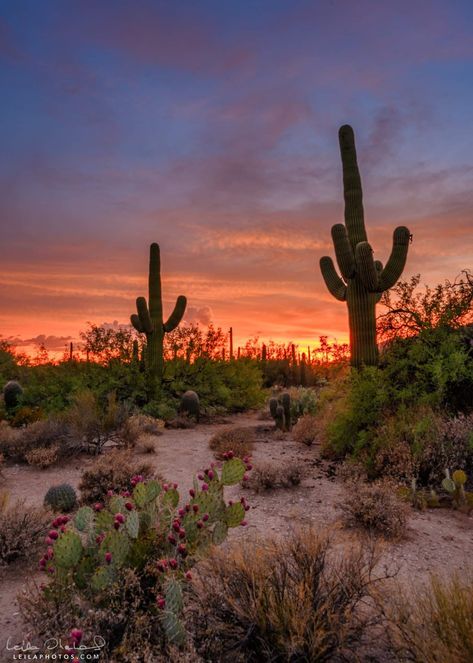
(280, 410)
(61, 498)
(149, 317)
(12, 393)
(190, 404)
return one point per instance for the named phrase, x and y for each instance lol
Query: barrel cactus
(149, 317)
(61, 498)
(12, 393)
(190, 404)
(363, 279)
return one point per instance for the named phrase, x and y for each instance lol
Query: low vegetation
(22, 529)
(292, 600)
(236, 439)
(436, 624)
(112, 471)
(269, 476)
(376, 508)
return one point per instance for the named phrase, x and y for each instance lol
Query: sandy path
(439, 541)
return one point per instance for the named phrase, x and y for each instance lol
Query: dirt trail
(438, 541)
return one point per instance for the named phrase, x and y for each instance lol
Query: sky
(211, 128)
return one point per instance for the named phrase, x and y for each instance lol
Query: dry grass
(236, 439)
(306, 430)
(376, 508)
(17, 444)
(111, 471)
(147, 444)
(435, 625)
(21, 529)
(181, 422)
(268, 476)
(137, 427)
(42, 457)
(296, 600)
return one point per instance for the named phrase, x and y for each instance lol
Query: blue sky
(211, 127)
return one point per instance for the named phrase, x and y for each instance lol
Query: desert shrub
(22, 528)
(164, 409)
(42, 457)
(235, 386)
(112, 471)
(91, 423)
(25, 415)
(124, 565)
(9, 438)
(147, 444)
(267, 476)
(40, 440)
(435, 625)
(237, 439)
(416, 376)
(451, 447)
(291, 600)
(376, 508)
(181, 422)
(303, 401)
(306, 430)
(137, 426)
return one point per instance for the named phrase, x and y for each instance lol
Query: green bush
(379, 408)
(234, 386)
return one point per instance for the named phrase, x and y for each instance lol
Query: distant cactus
(455, 486)
(12, 393)
(61, 498)
(149, 319)
(280, 410)
(363, 279)
(190, 404)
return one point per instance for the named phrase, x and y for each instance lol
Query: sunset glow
(211, 128)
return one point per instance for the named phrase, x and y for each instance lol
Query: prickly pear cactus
(459, 477)
(68, 550)
(144, 530)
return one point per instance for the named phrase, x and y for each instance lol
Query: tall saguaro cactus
(149, 319)
(363, 279)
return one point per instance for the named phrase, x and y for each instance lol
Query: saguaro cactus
(363, 278)
(149, 319)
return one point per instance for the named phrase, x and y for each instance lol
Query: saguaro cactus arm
(143, 315)
(177, 315)
(333, 282)
(397, 260)
(135, 321)
(343, 251)
(365, 266)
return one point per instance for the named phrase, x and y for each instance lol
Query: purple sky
(211, 127)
